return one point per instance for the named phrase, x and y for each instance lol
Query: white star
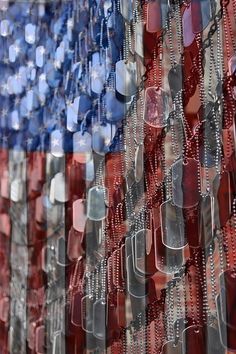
(82, 142)
(30, 38)
(4, 112)
(94, 75)
(17, 49)
(42, 50)
(109, 114)
(30, 64)
(107, 141)
(95, 128)
(29, 141)
(42, 77)
(55, 142)
(16, 125)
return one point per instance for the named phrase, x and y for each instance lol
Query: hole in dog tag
(172, 348)
(76, 313)
(40, 56)
(40, 340)
(188, 34)
(82, 147)
(57, 143)
(144, 255)
(172, 226)
(126, 9)
(193, 340)
(201, 14)
(168, 260)
(16, 190)
(185, 183)
(139, 163)
(96, 207)
(30, 33)
(61, 252)
(99, 319)
(5, 28)
(126, 80)
(156, 107)
(114, 109)
(79, 215)
(87, 313)
(60, 191)
(154, 21)
(175, 80)
(227, 334)
(135, 288)
(59, 345)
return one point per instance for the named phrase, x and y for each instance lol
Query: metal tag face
(87, 303)
(135, 288)
(188, 34)
(82, 147)
(99, 319)
(16, 193)
(126, 9)
(59, 345)
(102, 137)
(57, 143)
(126, 79)
(206, 221)
(227, 297)
(96, 207)
(114, 109)
(201, 14)
(185, 174)
(139, 163)
(223, 200)
(144, 252)
(156, 107)
(61, 190)
(61, 253)
(227, 334)
(172, 226)
(76, 310)
(154, 20)
(40, 339)
(168, 260)
(79, 215)
(175, 80)
(139, 39)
